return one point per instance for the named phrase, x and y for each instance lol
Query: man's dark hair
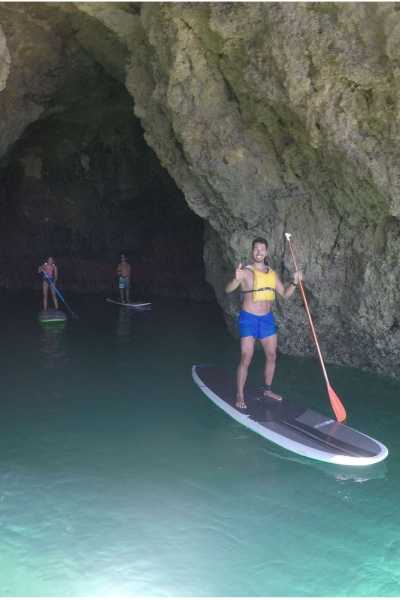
(259, 240)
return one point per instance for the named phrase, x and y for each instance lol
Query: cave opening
(81, 184)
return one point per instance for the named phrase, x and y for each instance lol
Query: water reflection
(124, 325)
(53, 347)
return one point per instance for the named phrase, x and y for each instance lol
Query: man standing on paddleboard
(124, 278)
(49, 272)
(258, 284)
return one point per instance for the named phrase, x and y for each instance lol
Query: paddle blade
(337, 406)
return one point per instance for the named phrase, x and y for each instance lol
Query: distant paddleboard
(130, 305)
(52, 316)
(298, 429)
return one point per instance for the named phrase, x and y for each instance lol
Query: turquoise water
(118, 477)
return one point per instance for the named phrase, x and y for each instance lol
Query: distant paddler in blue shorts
(49, 272)
(124, 278)
(258, 284)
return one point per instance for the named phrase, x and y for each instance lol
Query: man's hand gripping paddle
(335, 401)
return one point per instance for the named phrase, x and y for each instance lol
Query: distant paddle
(335, 401)
(59, 294)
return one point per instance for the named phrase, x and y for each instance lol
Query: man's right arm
(240, 275)
(232, 285)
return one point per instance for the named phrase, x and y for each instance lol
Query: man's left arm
(286, 293)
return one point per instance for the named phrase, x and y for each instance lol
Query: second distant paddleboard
(130, 304)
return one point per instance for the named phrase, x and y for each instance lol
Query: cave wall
(80, 183)
(277, 117)
(272, 117)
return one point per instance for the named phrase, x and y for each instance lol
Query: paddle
(59, 294)
(335, 401)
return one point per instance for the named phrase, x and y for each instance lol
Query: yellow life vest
(264, 285)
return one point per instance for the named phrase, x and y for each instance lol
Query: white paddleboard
(52, 315)
(130, 304)
(298, 429)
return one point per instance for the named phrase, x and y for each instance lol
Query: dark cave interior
(81, 184)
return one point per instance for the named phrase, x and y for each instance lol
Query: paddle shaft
(303, 295)
(336, 403)
(59, 294)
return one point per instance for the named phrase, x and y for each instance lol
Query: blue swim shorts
(123, 283)
(258, 327)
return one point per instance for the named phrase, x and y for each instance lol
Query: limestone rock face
(270, 117)
(276, 117)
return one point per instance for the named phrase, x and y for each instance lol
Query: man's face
(123, 258)
(50, 260)
(259, 252)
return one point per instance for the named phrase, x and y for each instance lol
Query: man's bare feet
(240, 403)
(268, 393)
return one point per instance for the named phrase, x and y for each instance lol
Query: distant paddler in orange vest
(49, 272)
(258, 284)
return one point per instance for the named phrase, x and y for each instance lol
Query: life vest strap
(263, 289)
